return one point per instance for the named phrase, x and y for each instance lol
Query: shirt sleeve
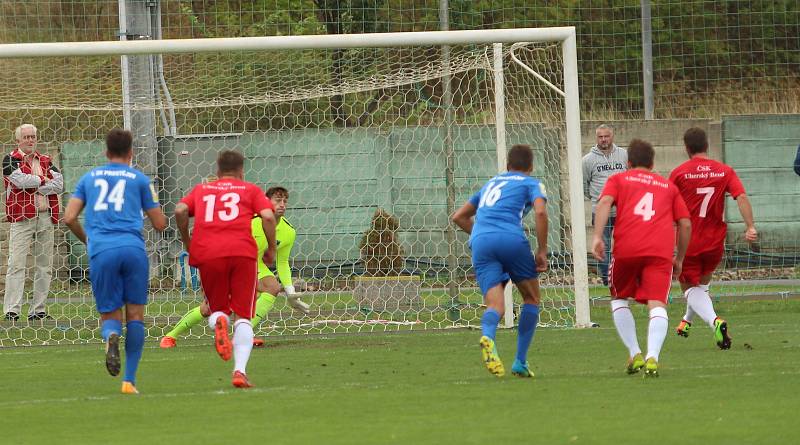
(679, 209)
(189, 200)
(80, 189)
(734, 187)
(475, 199)
(537, 191)
(286, 242)
(587, 178)
(148, 193)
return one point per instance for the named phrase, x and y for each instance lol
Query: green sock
(192, 318)
(263, 305)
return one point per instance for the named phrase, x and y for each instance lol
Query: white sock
(212, 319)
(626, 325)
(689, 315)
(656, 331)
(700, 303)
(242, 344)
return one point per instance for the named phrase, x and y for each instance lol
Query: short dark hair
(277, 190)
(119, 142)
(520, 158)
(641, 153)
(230, 161)
(695, 140)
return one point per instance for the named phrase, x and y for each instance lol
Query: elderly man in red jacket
(32, 185)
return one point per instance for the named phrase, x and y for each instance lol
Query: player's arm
(157, 218)
(463, 217)
(150, 205)
(74, 208)
(268, 224)
(282, 264)
(540, 216)
(601, 213)
(684, 235)
(746, 210)
(182, 221)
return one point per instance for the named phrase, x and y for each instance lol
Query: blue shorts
(498, 257)
(119, 276)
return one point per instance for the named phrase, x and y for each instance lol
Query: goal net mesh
(377, 146)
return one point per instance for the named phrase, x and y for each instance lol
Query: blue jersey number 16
(491, 194)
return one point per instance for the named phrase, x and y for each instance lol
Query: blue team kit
(500, 249)
(115, 196)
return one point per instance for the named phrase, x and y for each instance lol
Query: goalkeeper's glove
(294, 300)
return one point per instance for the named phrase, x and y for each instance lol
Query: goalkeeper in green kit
(267, 286)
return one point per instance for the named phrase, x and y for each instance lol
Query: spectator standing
(32, 185)
(603, 160)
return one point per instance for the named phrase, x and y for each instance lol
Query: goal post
(373, 134)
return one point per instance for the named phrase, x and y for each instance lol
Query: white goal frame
(563, 35)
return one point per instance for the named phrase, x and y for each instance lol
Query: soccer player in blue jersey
(500, 251)
(116, 196)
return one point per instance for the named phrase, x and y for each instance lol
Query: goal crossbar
(273, 43)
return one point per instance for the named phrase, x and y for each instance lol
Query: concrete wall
(339, 177)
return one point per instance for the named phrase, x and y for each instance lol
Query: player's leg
(242, 291)
(134, 345)
(267, 287)
(689, 279)
(215, 281)
(136, 279)
(528, 320)
(655, 282)
(699, 300)
(492, 280)
(521, 266)
(192, 318)
(622, 282)
(108, 294)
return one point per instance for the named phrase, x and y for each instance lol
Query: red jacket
(21, 186)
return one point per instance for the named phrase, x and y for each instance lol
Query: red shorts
(230, 285)
(697, 266)
(641, 278)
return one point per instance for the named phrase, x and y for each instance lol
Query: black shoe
(112, 354)
(13, 316)
(39, 316)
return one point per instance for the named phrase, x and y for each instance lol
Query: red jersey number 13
(230, 202)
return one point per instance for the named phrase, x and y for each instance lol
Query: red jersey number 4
(644, 207)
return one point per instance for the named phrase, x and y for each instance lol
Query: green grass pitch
(419, 388)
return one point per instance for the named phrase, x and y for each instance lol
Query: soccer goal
(377, 137)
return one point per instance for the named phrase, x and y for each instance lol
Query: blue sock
(528, 319)
(134, 343)
(109, 327)
(489, 322)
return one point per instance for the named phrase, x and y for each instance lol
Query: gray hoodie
(597, 168)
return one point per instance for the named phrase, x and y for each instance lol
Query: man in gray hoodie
(602, 161)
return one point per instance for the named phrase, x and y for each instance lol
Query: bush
(381, 252)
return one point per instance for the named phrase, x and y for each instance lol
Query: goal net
(377, 138)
